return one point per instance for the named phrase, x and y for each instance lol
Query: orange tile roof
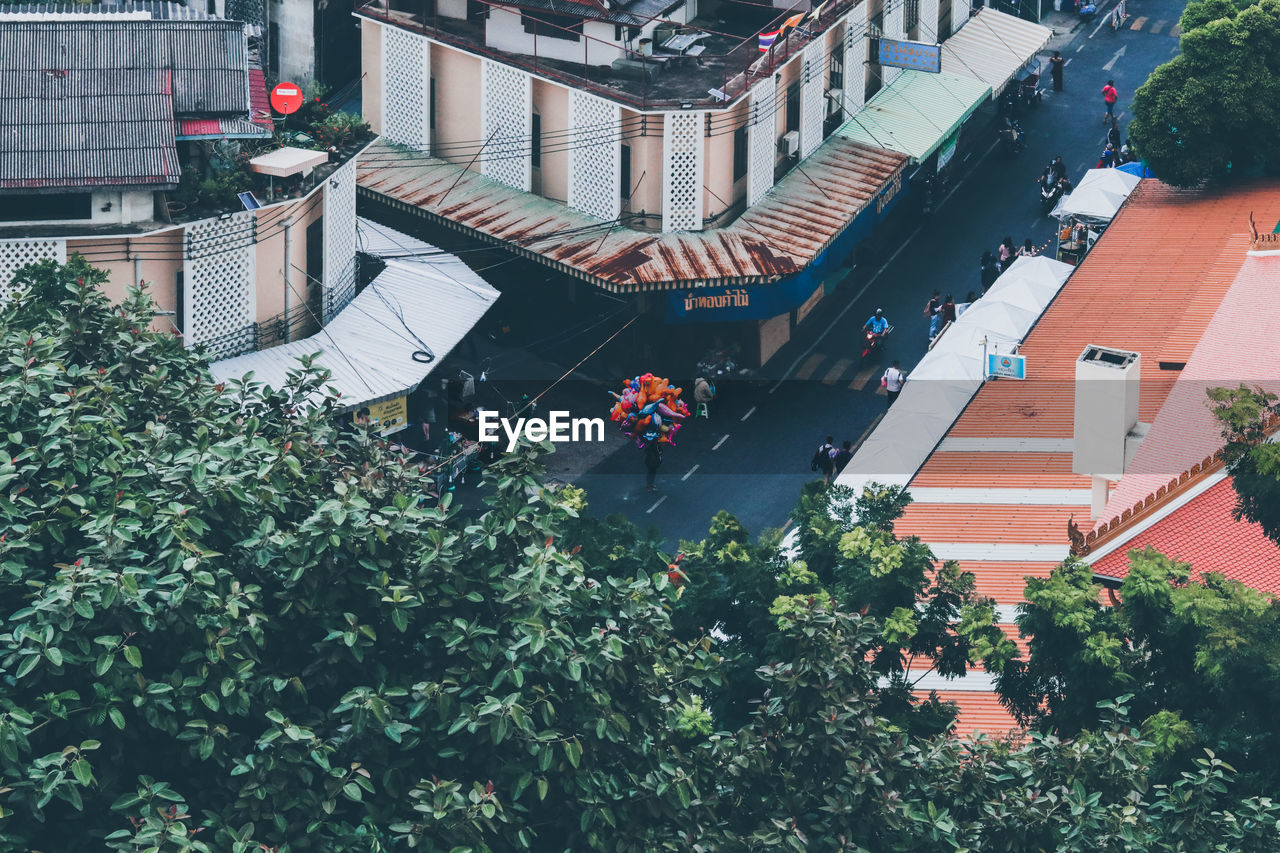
(1237, 549)
(980, 713)
(1151, 284)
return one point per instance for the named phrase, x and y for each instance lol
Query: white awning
(1098, 197)
(388, 339)
(993, 47)
(946, 379)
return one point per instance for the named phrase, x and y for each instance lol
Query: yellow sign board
(386, 417)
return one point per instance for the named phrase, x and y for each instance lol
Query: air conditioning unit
(836, 95)
(789, 144)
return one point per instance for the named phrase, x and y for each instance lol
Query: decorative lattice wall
(339, 239)
(813, 76)
(218, 283)
(762, 139)
(959, 15)
(894, 20)
(595, 156)
(929, 20)
(15, 254)
(506, 124)
(682, 152)
(406, 88)
(855, 60)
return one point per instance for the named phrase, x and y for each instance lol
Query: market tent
(1139, 168)
(942, 384)
(994, 47)
(386, 341)
(916, 113)
(1098, 196)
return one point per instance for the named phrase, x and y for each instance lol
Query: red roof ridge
(1083, 543)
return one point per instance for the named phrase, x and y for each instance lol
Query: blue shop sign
(915, 55)
(727, 304)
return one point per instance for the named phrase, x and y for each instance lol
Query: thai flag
(767, 40)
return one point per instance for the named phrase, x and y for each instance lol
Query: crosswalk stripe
(806, 369)
(836, 371)
(862, 377)
(1137, 23)
(1176, 31)
(1157, 27)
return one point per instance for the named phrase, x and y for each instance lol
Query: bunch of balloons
(649, 410)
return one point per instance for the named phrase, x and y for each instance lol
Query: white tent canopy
(1098, 196)
(391, 335)
(993, 47)
(942, 384)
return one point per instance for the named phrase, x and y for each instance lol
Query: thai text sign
(1007, 366)
(916, 55)
(385, 418)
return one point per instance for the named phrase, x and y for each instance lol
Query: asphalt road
(752, 456)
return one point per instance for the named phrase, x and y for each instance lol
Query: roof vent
(1106, 410)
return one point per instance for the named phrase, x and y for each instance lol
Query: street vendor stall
(1085, 212)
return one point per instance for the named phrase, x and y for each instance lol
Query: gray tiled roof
(89, 103)
(159, 11)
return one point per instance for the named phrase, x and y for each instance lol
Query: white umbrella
(1098, 196)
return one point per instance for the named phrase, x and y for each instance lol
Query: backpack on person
(821, 457)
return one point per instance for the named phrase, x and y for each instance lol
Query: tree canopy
(1213, 111)
(232, 625)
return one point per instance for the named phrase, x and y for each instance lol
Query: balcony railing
(730, 65)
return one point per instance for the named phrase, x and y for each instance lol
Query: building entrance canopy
(916, 113)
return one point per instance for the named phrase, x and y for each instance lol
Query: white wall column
(813, 77)
(761, 139)
(683, 150)
(595, 155)
(506, 125)
(406, 87)
(855, 60)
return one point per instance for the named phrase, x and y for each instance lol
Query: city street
(752, 455)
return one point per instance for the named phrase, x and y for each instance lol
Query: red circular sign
(286, 98)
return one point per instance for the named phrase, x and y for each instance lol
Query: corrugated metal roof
(778, 236)
(92, 103)
(916, 112)
(993, 47)
(157, 11)
(220, 128)
(369, 347)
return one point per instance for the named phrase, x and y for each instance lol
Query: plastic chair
(702, 411)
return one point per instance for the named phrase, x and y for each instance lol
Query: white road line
(689, 473)
(1111, 63)
(656, 505)
(751, 411)
(1068, 62)
(1080, 48)
(722, 440)
(878, 272)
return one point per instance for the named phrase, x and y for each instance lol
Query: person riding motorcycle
(876, 323)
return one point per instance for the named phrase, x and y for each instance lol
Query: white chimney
(1106, 413)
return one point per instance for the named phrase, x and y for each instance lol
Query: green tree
(1248, 416)
(233, 624)
(1211, 112)
(931, 619)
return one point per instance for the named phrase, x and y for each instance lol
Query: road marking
(1176, 31)
(1137, 23)
(1157, 27)
(1104, 19)
(722, 440)
(689, 473)
(862, 377)
(1111, 63)
(870, 281)
(836, 371)
(656, 505)
(751, 411)
(867, 432)
(1080, 48)
(1068, 62)
(810, 366)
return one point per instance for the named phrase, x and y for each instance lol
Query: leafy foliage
(1211, 112)
(750, 592)
(1247, 416)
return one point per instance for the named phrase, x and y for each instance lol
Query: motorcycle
(874, 341)
(1050, 192)
(1012, 137)
(1029, 94)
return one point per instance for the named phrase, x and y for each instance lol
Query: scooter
(1050, 192)
(1012, 137)
(873, 341)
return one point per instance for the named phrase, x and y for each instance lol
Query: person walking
(988, 270)
(652, 461)
(947, 310)
(1108, 159)
(1056, 66)
(843, 456)
(1109, 98)
(824, 460)
(1113, 135)
(1027, 249)
(1007, 251)
(892, 383)
(931, 313)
